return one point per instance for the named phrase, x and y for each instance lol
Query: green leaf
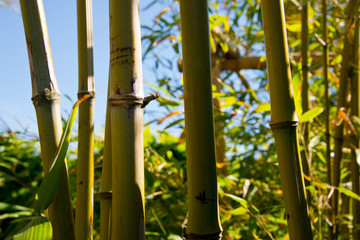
(38, 228)
(48, 187)
(311, 114)
(348, 193)
(263, 107)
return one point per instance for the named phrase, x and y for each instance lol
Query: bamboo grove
(280, 120)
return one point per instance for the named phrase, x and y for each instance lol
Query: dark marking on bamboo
(202, 198)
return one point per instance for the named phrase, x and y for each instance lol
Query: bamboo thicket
(46, 100)
(203, 218)
(85, 162)
(284, 120)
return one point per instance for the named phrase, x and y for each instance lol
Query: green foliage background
(251, 205)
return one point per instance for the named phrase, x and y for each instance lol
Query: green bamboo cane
(126, 99)
(203, 218)
(355, 140)
(105, 184)
(85, 163)
(327, 101)
(46, 100)
(284, 120)
(305, 86)
(352, 9)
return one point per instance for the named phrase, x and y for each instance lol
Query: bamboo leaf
(263, 107)
(311, 114)
(348, 193)
(48, 187)
(38, 228)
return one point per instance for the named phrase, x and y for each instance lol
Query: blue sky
(15, 85)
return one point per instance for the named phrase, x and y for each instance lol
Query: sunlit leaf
(48, 187)
(311, 114)
(38, 228)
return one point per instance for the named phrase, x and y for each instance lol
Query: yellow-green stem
(355, 91)
(85, 162)
(126, 99)
(284, 120)
(305, 157)
(46, 100)
(105, 184)
(203, 218)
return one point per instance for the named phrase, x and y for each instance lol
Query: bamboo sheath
(85, 163)
(284, 120)
(46, 100)
(203, 218)
(126, 99)
(352, 10)
(355, 90)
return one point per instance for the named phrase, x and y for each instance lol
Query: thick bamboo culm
(105, 184)
(355, 91)
(284, 120)
(305, 86)
(85, 162)
(352, 10)
(126, 99)
(203, 218)
(46, 100)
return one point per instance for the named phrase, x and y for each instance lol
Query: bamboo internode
(46, 99)
(126, 100)
(284, 120)
(203, 218)
(85, 164)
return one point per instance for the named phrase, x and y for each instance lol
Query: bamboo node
(46, 96)
(126, 101)
(105, 195)
(284, 125)
(211, 236)
(82, 94)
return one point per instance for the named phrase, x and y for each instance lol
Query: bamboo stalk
(327, 105)
(352, 9)
(305, 87)
(85, 163)
(203, 217)
(355, 140)
(46, 100)
(284, 120)
(219, 133)
(126, 99)
(105, 184)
